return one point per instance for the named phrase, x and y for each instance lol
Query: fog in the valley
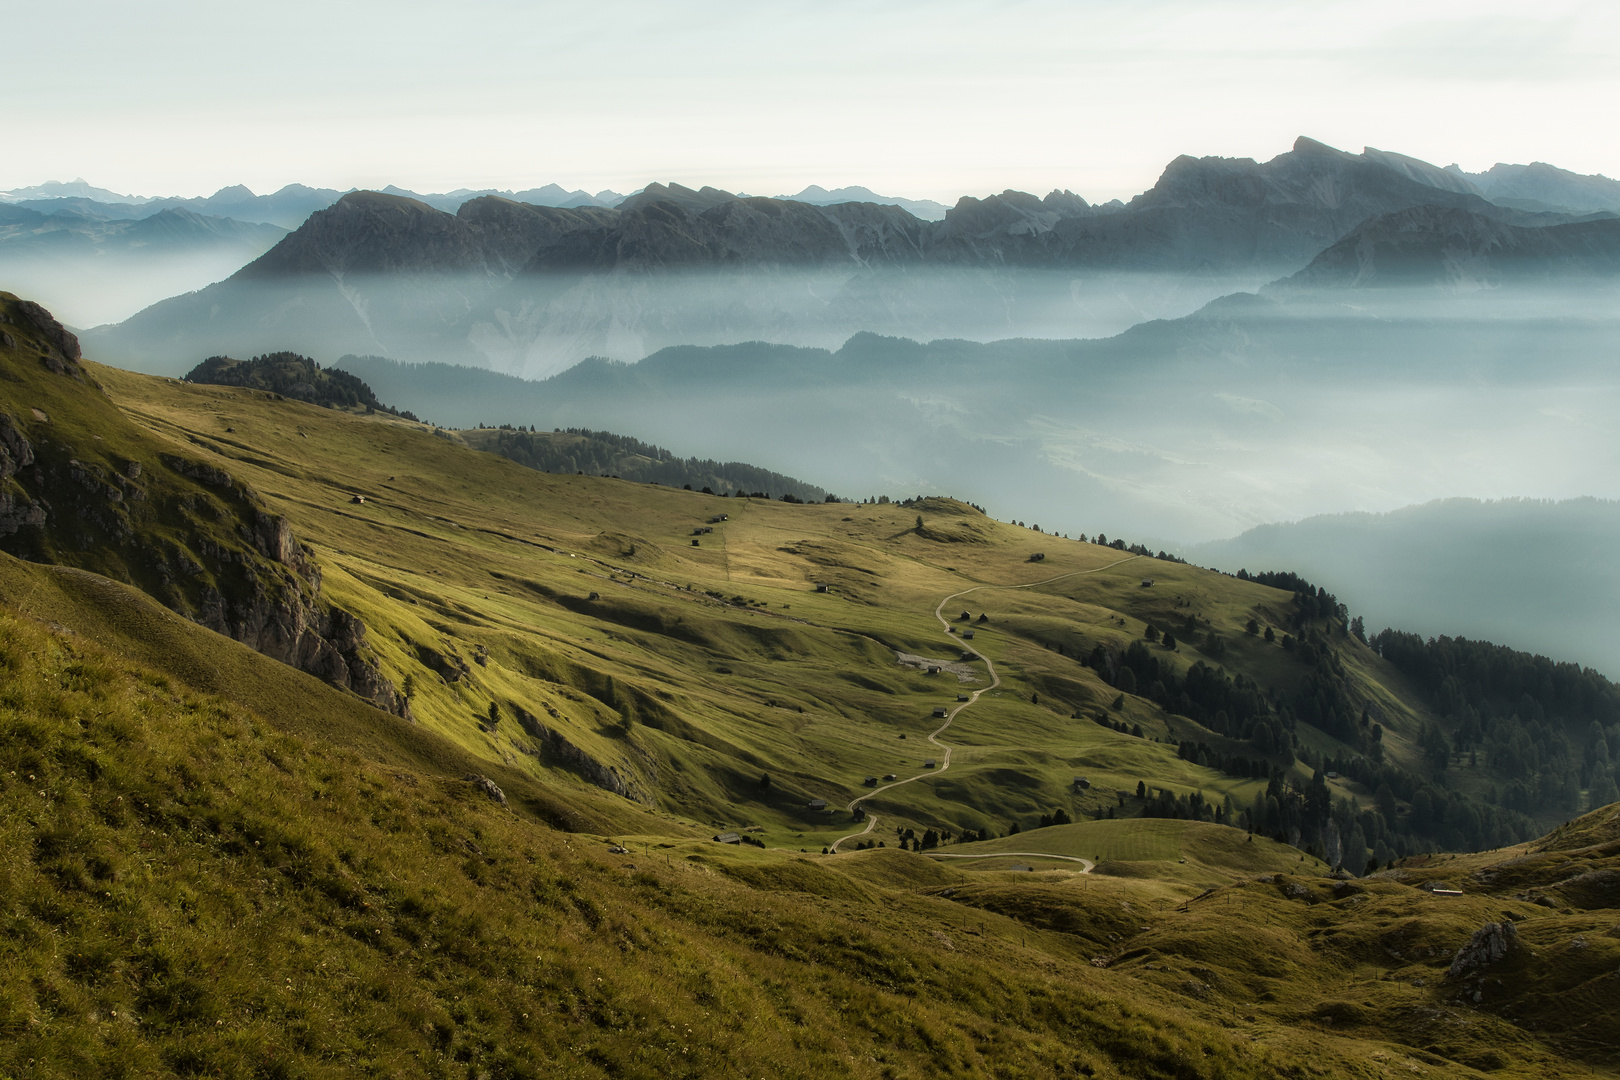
(539, 324)
(1162, 375)
(1537, 574)
(85, 288)
(1254, 409)
(90, 267)
(544, 324)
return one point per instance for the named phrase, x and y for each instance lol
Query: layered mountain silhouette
(287, 207)
(927, 209)
(531, 289)
(95, 269)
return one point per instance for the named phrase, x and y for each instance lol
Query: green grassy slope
(1197, 853)
(128, 623)
(238, 868)
(697, 671)
(189, 890)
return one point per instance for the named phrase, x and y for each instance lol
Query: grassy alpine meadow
(715, 668)
(498, 856)
(730, 661)
(188, 889)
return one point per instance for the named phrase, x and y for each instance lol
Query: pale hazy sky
(925, 99)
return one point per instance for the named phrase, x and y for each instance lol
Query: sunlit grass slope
(683, 676)
(130, 624)
(188, 890)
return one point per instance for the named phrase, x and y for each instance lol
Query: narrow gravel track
(1086, 863)
(973, 698)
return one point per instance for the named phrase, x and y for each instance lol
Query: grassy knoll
(1186, 852)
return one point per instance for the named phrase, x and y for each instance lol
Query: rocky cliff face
(81, 486)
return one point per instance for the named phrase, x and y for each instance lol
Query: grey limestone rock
(15, 450)
(45, 325)
(1491, 943)
(488, 787)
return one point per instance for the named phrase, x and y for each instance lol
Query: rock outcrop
(182, 529)
(31, 316)
(1490, 944)
(490, 789)
(555, 749)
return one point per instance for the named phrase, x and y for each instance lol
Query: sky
(935, 99)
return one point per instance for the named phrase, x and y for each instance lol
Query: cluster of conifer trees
(602, 453)
(1546, 727)
(294, 376)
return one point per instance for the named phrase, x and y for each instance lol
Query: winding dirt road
(973, 698)
(1086, 864)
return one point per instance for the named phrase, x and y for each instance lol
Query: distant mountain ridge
(96, 269)
(291, 205)
(816, 195)
(531, 289)
(79, 188)
(1458, 250)
(1540, 186)
(287, 207)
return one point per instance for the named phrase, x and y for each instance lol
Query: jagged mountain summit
(1540, 186)
(78, 188)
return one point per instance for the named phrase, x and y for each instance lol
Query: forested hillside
(602, 453)
(294, 376)
(1546, 726)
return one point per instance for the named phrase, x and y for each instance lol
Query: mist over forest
(1537, 572)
